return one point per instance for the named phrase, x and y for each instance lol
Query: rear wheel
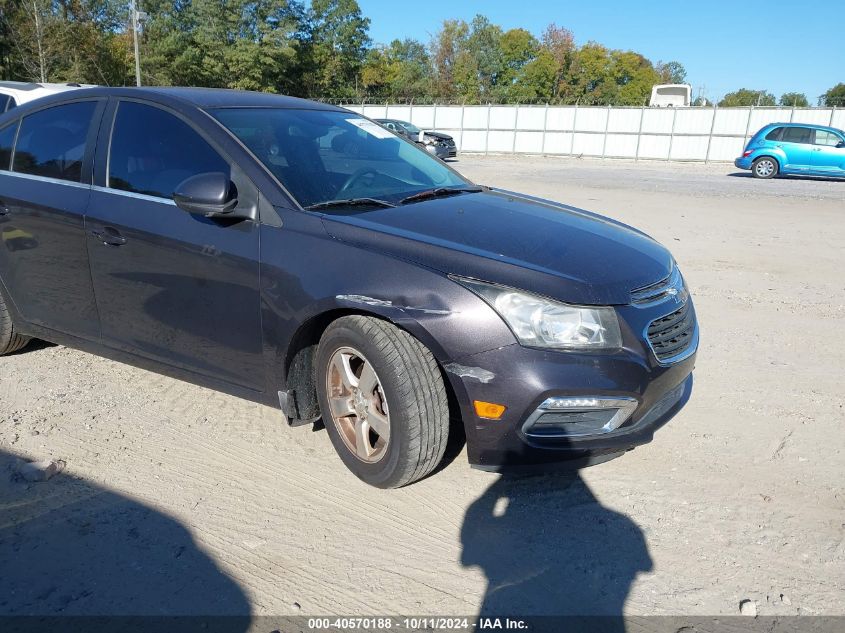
(10, 340)
(764, 167)
(383, 401)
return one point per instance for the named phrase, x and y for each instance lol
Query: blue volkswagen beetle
(794, 148)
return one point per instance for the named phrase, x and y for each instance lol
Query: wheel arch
(770, 154)
(298, 367)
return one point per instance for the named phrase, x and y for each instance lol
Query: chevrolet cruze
(228, 239)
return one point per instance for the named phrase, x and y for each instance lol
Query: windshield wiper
(350, 202)
(441, 191)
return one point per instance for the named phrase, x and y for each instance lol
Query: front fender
(305, 273)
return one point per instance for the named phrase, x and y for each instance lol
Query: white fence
(694, 133)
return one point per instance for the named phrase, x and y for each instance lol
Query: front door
(828, 153)
(171, 286)
(43, 196)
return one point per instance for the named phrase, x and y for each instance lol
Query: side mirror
(840, 144)
(208, 194)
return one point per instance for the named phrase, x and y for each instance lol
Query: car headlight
(540, 322)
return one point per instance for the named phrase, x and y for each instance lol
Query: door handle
(109, 236)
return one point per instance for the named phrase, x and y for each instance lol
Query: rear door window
(823, 137)
(797, 135)
(153, 151)
(4, 101)
(51, 142)
(7, 142)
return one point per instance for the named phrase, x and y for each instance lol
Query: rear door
(171, 286)
(797, 143)
(44, 190)
(828, 153)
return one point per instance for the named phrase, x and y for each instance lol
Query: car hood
(439, 135)
(514, 240)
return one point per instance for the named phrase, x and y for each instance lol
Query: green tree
(337, 43)
(590, 79)
(448, 56)
(484, 45)
(746, 97)
(538, 79)
(402, 70)
(248, 45)
(794, 99)
(64, 40)
(671, 72)
(518, 49)
(557, 51)
(835, 96)
(634, 76)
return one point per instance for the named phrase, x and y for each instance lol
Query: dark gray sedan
(303, 256)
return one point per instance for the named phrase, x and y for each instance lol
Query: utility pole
(39, 37)
(136, 17)
(702, 89)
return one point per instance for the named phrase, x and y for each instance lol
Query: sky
(724, 45)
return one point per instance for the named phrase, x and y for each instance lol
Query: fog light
(488, 410)
(578, 416)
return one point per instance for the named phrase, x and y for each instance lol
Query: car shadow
(71, 548)
(549, 548)
(33, 346)
(747, 174)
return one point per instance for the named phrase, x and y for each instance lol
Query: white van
(670, 95)
(14, 93)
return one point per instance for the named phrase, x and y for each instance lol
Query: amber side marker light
(488, 410)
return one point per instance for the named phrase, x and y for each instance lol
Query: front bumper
(743, 162)
(441, 150)
(523, 379)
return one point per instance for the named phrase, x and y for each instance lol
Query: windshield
(323, 156)
(413, 129)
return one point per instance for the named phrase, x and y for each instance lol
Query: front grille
(671, 335)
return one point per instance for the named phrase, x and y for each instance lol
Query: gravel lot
(179, 499)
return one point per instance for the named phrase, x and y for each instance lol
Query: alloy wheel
(357, 404)
(765, 168)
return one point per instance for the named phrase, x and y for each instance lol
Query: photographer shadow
(72, 548)
(549, 548)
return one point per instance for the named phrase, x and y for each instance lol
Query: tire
(404, 395)
(764, 167)
(10, 341)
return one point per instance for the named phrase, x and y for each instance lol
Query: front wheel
(764, 167)
(383, 401)
(10, 340)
